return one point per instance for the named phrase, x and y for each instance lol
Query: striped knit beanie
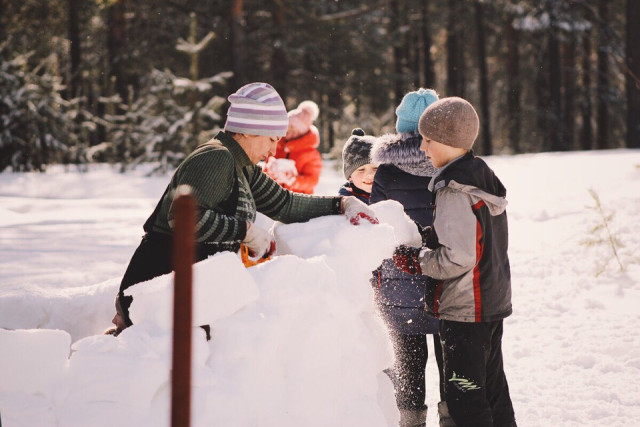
(450, 121)
(257, 109)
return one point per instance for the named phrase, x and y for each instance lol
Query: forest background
(127, 81)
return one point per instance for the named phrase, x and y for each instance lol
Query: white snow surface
(296, 340)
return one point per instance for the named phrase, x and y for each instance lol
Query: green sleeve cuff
(337, 206)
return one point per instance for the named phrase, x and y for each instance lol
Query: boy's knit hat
(257, 109)
(301, 119)
(451, 121)
(356, 151)
(411, 107)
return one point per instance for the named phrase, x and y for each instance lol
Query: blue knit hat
(411, 108)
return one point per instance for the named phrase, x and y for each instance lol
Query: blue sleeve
(344, 192)
(378, 192)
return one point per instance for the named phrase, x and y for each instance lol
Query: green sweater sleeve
(286, 206)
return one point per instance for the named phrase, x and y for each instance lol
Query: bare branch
(353, 12)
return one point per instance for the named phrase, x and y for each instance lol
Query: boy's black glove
(429, 236)
(406, 259)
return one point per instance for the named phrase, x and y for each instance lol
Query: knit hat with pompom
(301, 119)
(356, 151)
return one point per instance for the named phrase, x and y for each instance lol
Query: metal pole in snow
(183, 258)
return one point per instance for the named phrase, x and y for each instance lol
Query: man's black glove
(429, 236)
(406, 259)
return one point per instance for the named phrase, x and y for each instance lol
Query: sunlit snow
(296, 340)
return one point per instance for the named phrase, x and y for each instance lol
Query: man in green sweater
(229, 189)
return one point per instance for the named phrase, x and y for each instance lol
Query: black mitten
(429, 236)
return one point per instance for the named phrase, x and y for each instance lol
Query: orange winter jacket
(303, 151)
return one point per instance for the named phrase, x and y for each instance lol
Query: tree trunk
(413, 40)
(237, 42)
(3, 32)
(602, 139)
(117, 46)
(73, 29)
(633, 74)
(279, 63)
(568, 71)
(555, 117)
(334, 98)
(429, 72)
(398, 55)
(586, 134)
(542, 131)
(455, 53)
(194, 72)
(485, 116)
(514, 85)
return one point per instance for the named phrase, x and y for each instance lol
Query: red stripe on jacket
(477, 296)
(436, 299)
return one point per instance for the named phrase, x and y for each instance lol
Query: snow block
(81, 310)
(26, 410)
(32, 360)
(124, 372)
(307, 329)
(325, 235)
(221, 286)
(392, 213)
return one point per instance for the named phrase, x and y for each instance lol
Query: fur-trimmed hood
(403, 151)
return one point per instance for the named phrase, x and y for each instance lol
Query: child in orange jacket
(297, 163)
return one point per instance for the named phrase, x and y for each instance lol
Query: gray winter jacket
(471, 264)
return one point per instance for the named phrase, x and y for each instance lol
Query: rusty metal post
(183, 258)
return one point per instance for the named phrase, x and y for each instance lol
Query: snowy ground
(296, 340)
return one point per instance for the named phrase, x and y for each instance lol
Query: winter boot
(207, 331)
(413, 417)
(391, 373)
(443, 414)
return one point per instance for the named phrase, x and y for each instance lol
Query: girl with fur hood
(403, 175)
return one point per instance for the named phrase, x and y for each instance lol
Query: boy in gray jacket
(466, 254)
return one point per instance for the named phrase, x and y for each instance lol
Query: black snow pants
(476, 388)
(411, 354)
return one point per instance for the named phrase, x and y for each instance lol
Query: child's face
(439, 154)
(363, 177)
(292, 133)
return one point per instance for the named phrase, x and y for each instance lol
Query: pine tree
(38, 126)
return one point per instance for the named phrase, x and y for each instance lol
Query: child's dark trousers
(476, 387)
